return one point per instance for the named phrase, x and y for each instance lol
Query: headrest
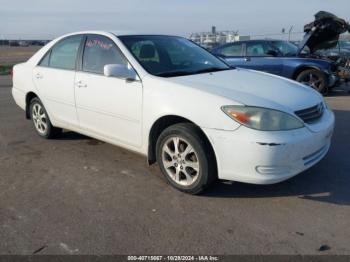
(147, 51)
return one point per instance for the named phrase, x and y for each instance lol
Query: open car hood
(323, 33)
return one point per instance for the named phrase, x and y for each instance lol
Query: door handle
(80, 84)
(247, 59)
(39, 76)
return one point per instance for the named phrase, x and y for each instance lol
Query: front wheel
(313, 78)
(185, 158)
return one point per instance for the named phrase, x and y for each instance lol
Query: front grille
(311, 114)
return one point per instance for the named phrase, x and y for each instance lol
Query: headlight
(262, 118)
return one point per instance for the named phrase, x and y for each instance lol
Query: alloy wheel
(39, 118)
(312, 80)
(180, 161)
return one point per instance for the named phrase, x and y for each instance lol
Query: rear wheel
(185, 158)
(313, 78)
(41, 121)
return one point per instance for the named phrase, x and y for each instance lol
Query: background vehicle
(23, 43)
(280, 58)
(176, 103)
(340, 51)
(286, 59)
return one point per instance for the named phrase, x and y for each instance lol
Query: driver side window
(256, 49)
(100, 51)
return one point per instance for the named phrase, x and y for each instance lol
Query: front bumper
(260, 157)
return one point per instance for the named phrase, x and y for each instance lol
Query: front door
(257, 58)
(108, 106)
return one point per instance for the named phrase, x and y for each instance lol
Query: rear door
(108, 106)
(54, 77)
(257, 58)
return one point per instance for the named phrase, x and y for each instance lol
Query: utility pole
(289, 33)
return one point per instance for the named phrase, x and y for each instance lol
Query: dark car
(340, 54)
(288, 60)
(279, 58)
(334, 53)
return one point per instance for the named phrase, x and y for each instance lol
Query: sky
(46, 19)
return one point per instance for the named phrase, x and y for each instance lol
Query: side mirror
(272, 53)
(120, 71)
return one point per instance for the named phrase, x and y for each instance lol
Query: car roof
(117, 33)
(259, 40)
(246, 41)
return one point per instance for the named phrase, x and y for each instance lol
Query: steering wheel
(186, 63)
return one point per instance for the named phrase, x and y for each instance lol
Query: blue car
(280, 58)
(285, 59)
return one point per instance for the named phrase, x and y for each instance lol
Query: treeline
(5, 42)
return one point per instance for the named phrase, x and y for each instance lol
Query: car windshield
(170, 56)
(344, 44)
(285, 48)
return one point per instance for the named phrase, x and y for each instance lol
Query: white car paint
(123, 113)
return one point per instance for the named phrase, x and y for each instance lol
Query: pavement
(77, 195)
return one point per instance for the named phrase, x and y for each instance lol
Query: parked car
(38, 42)
(341, 56)
(280, 58)
(176, 103)
(288, 60)
(340, 51)
(13, 43)
(23, 43)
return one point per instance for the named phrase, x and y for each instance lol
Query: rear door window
(231, 50)
(64, 53)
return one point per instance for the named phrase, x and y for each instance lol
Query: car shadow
(328, 181)
(343, 90)
(70, 135)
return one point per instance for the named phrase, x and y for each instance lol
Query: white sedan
(172, 101)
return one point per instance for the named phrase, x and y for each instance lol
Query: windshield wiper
(184, 73)
(211, 69)
(174, 73)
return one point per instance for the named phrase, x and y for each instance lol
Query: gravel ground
(76, 195)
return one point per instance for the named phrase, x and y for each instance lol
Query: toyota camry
(178, 105)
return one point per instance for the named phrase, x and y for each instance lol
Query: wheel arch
(164, 122)
(29, 96)
(302, 68)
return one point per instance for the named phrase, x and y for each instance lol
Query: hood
(253, 88)
(323, 32)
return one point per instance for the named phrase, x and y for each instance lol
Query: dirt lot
(16, 54)
(76, 195)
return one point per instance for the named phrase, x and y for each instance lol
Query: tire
(314, 78)
(191, 166)
(41, 120)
